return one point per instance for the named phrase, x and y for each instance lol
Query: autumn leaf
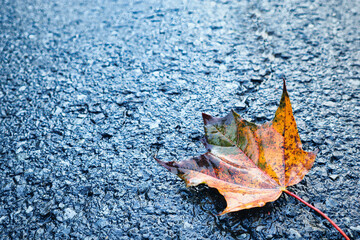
(249, 164)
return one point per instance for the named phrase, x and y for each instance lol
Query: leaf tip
(284, 87)
(159, 161)
(284, 83)
(171, 166)
(206, 118)
(162, 163)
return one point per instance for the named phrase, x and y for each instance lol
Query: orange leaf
(250, 165)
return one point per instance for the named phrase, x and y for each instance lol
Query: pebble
(69, 213)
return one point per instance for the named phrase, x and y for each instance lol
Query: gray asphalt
(90, 91)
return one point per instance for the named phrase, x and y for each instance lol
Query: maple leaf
(249, 164)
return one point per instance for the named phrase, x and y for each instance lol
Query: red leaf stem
(318, 211)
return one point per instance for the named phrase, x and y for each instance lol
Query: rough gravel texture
(91, 90)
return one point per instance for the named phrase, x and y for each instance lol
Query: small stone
(240, 105)
(222, 67)
(98, 117)
(58, 110)
(81, 97)
(294, 234)
(101, 223)
(40, 231)
(346, 97)
(78, 121)
(330, 203)
(2, 218)
(188, 225)
(355, 83)
(244, 236)
(59, 218)
(69, 213)
(337, 155)
(155, 124)
(356, 228)
(264, 72)
(20, 191)
(334, 177)
(17, 179)
(29, 209)
(260, 228)
(329, 104)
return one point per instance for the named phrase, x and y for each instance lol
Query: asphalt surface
(90, 91)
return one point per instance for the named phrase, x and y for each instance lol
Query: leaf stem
(318, 211)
